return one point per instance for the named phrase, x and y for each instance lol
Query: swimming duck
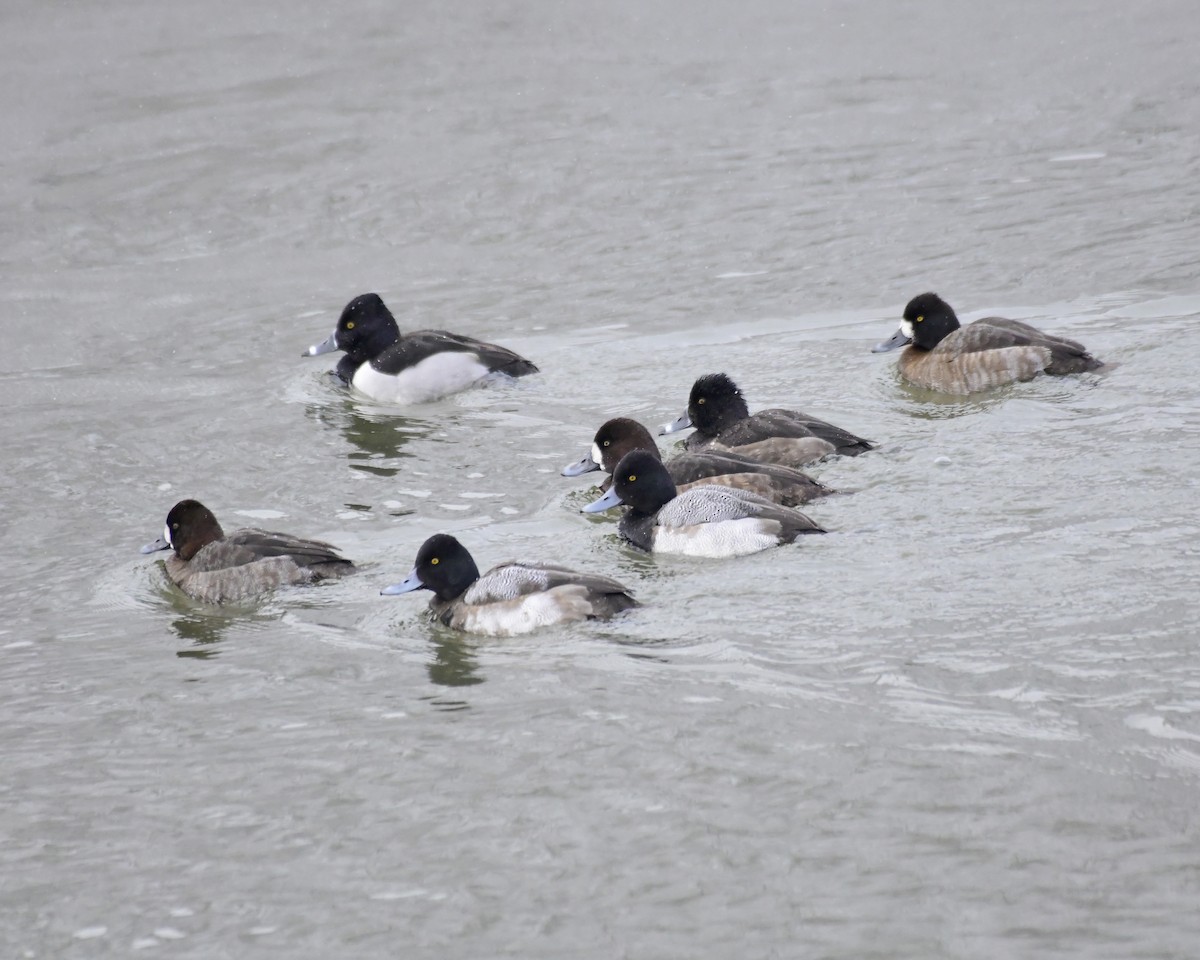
(411, 368)
(619, 436)
(718, 411)
(942, 355)
(213, 567)
(510, 598)
(705, 521)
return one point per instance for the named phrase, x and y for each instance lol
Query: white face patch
(906, 328)
(167, 533)
(597, 457)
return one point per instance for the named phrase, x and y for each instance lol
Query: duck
(415, 367)
(214, 567)
(511, 598)
(706, 521)
(718, 411)
(942, 355)
(620, 435)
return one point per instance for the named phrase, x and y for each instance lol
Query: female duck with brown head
(213, 567)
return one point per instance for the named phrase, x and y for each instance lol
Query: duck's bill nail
(898, 339)
(407, 585)
(328, 345)
(675, 425)
(580, 467)
(159, 544)
(606, 502)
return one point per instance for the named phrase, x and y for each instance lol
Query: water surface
(966, 723)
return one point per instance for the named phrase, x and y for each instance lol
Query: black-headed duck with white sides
(416, 367)
(511, 598)
(705, 521)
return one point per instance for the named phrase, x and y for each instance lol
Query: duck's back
(723, 468)
(791, 452)
(413, 348)
(778, 423)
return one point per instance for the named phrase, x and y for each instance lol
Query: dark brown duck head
(190, 527)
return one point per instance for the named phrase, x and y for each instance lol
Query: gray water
(964, 724)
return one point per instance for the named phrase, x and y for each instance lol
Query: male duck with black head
(416, 367)
(718, 411)
(621, 435)
(705, 521)
(509, 599)
(214, 567)
(942, 355)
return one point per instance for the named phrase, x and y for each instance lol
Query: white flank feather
(434, 377)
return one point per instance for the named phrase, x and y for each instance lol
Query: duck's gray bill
(898, 339)
(580, 467)
(606, 502)
(675, 425)
(328, 345)
(407, 585)
(159, 544)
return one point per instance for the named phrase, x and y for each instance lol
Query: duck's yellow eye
(349, 324)
(606, 443)
(632, 477)
(175, 526)
(433, 562)
(919, 319)
(701, 400)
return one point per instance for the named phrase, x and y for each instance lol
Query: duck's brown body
(940, 354)
(990, 353)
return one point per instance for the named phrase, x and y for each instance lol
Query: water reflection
(203, 627)
(203, 633)
(454, 663)
(377, 437)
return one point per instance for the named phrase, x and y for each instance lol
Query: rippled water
(966, 723)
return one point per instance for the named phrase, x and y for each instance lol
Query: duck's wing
(777, 422)
(777, 483)
(997, 333)
(1057, 355)
(713, 504)
(510, 581)
(792, 452)
(1066, 356)
(252, 544)
(419, 345)
(701, 464)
